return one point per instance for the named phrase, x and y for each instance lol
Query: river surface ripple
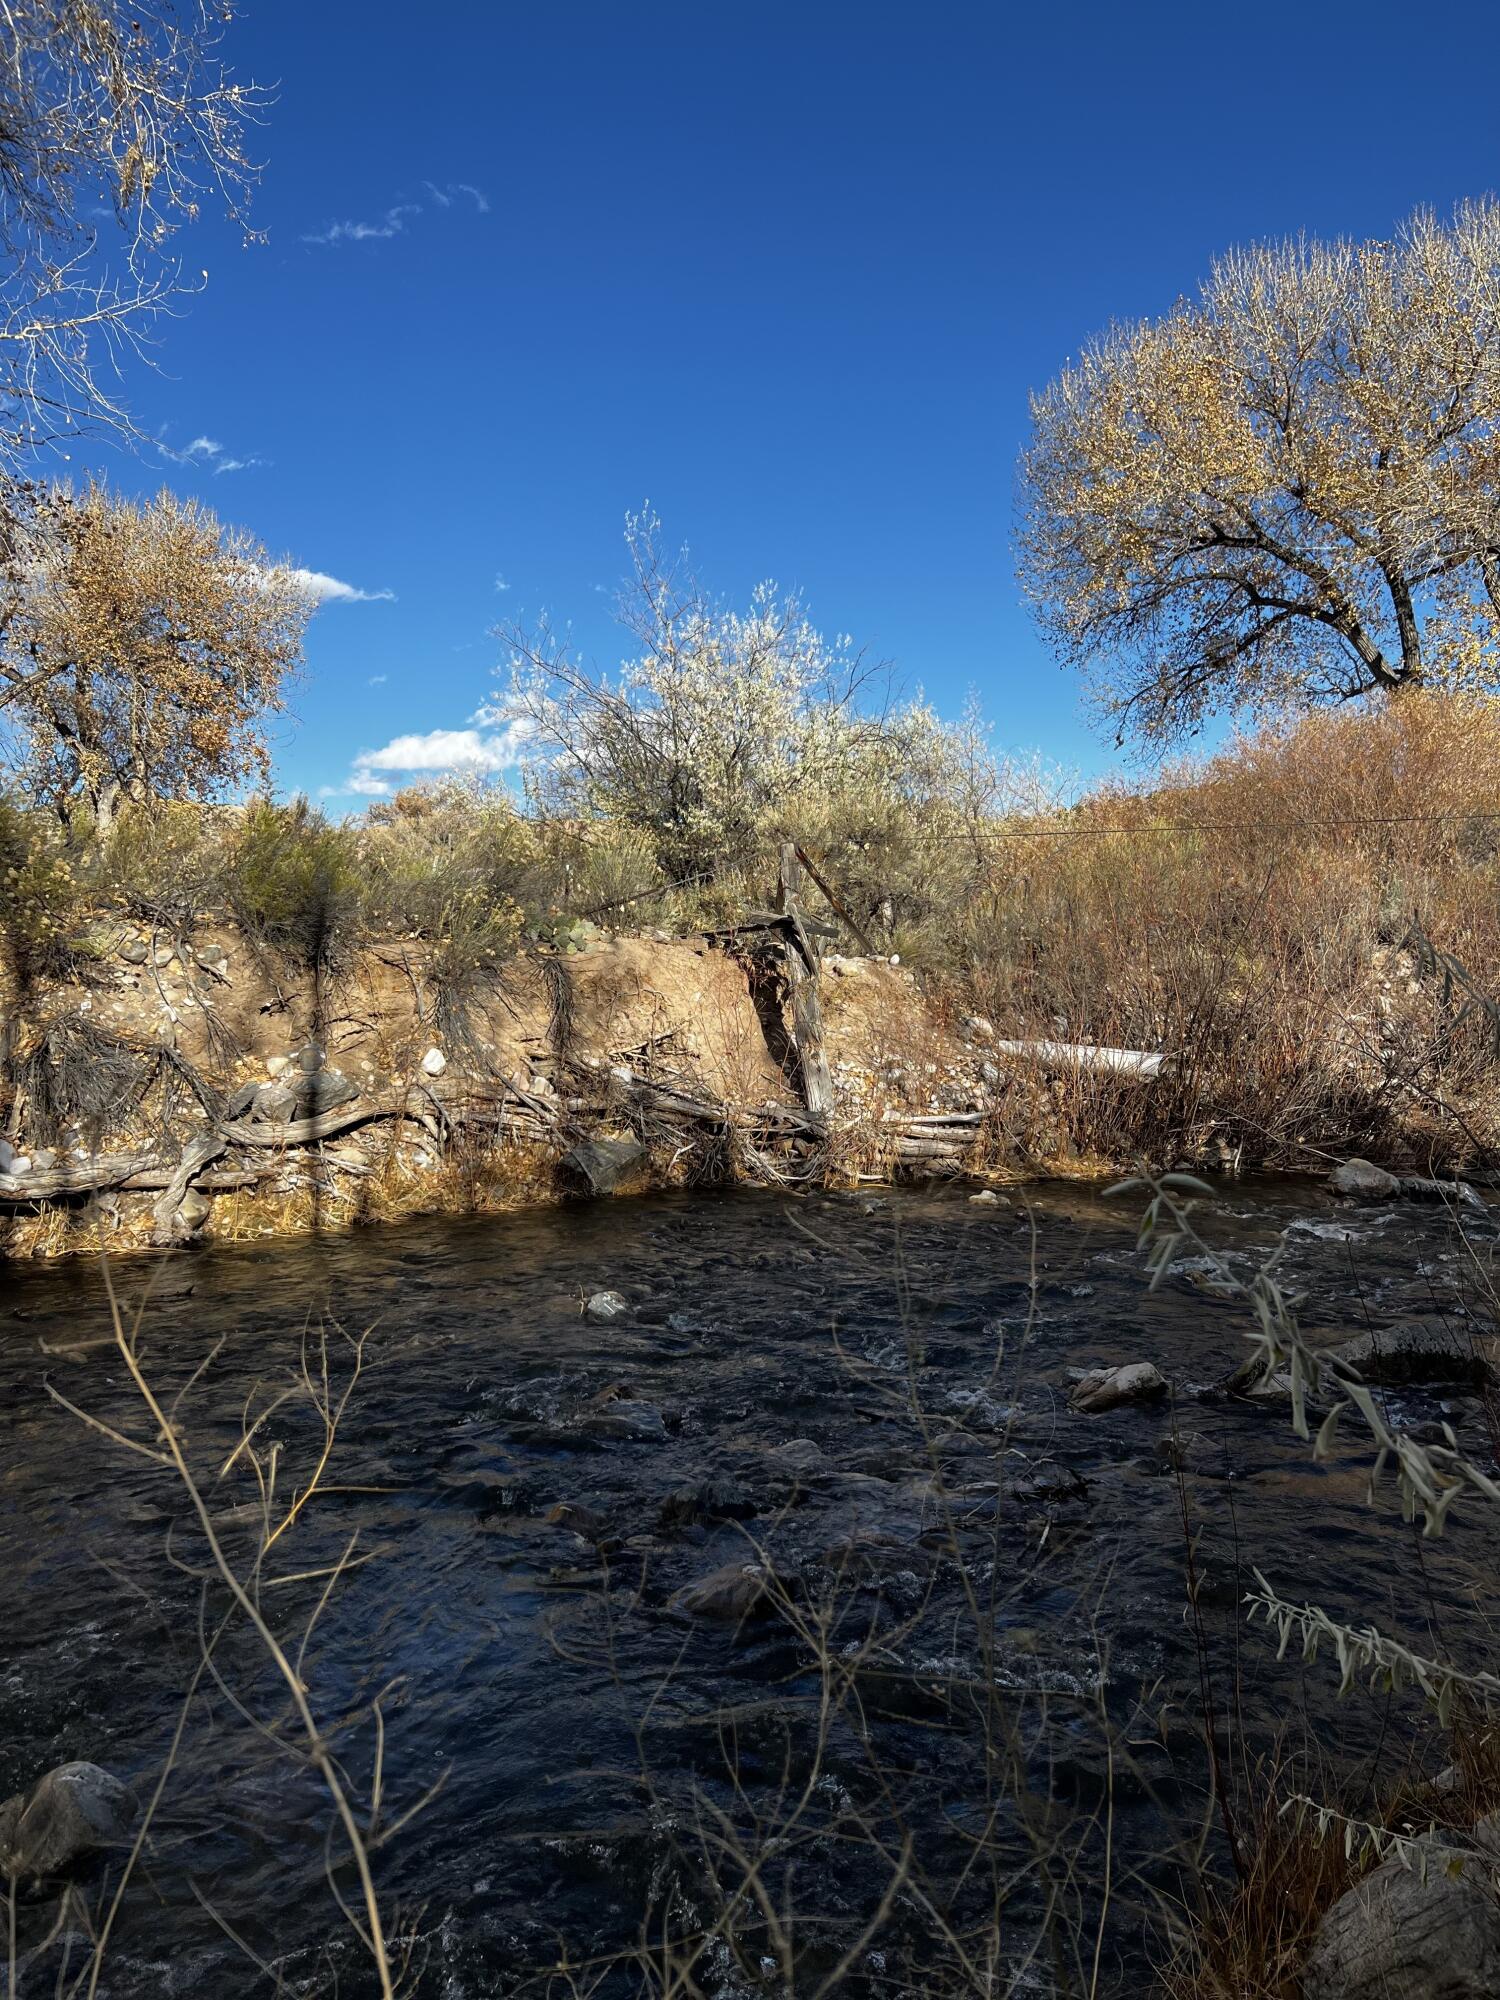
(865, 1397)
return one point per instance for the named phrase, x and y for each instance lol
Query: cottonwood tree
(117, 122)
(724, 729)
(1285, 492)
(144, 650)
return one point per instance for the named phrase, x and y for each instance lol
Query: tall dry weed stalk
(246, 1508)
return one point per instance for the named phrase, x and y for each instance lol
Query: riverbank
(186, 1088)
(248, 1021)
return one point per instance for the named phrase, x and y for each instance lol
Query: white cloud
(500, 582)
(377, 680)
(209, 453)
(433, 751)
(393, 222)
(324, 589)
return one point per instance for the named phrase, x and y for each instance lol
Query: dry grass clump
(1251, 918)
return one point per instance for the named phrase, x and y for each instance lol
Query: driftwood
(1085, 1055)
(108, 1170)
(196, 1155)
(921, 1147)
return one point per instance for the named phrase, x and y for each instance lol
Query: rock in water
(1363, 1181)
(1425, 1349)
(70, 1813)
(734, 1593)
(605, 1306)
(600, 1165)
(1400, 1935)
(1106, 1388)
(1456, 1194)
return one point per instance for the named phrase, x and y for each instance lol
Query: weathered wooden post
(802, 990)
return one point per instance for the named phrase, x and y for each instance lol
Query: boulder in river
(72, 1812)
(1457, 1194)
(1425, 1349)
(801, 1455)
(712, 1500)
(601, 1165)
(1429, 1931)
(1195, 1453)
(603, 1307)
(1106, 1388)
(1362, 1180)
(734, 1593)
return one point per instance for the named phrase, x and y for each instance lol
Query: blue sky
(787, 271)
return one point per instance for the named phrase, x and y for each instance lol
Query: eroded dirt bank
(173, 1090)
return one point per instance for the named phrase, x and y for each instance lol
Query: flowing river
(933, 1725)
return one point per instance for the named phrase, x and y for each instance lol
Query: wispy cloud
(208, 453)
(429, 753)
(321, 588)
(500, 582)
(377, 680)
(394, 220)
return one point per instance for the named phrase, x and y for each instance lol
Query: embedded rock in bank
(275, 1103)
(1425, 1349)
(322, 1090)
(193, 1211)
(599, 1166)
(1107, 1388)
(1429, 1931)
(1362, 1180)
(72, 1812)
